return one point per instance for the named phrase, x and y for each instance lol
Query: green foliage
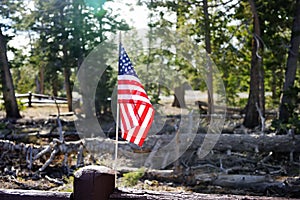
(132, 178)
(24, 79)
(8, 10)
(283, 127)
(231, 36)
(69, 181)
(21, 105)
(67, 32)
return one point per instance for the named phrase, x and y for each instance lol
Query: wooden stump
(94, 183)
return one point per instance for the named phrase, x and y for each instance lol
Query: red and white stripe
(136, 111)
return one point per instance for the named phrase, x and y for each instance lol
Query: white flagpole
(116, 145)
(117, 124)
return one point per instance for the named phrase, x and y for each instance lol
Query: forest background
(254, 44)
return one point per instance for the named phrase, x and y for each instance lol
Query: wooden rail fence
(31, 98)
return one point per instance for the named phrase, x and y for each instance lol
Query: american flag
(136, 111)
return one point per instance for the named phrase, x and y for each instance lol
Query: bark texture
(10, 102)
(291, 67)
(251, 119)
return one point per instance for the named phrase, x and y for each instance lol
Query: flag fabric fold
(136, 110)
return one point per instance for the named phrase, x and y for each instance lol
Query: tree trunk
(10, 102)
(179, 90)
(68, 87)
(210, 91)
(251, 119)
(67, 81)
(37, 84)
(66, 65)
(55, 86)
(42, 79)
(179, 100)
(291, 67)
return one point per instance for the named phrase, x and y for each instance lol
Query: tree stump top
(94, 169)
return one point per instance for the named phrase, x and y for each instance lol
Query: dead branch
(262, 119)
(53, 180)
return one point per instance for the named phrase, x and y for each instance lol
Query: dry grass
(39, 111)
(42, 111)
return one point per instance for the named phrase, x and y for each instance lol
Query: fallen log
(240, 180)
(8, 194)
(126, 193)
(239, 142)
(164, 153)
(259, 184)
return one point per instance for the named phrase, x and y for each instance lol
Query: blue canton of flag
(125, 65)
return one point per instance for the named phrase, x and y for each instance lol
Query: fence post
(29, 99)
(93, 183)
